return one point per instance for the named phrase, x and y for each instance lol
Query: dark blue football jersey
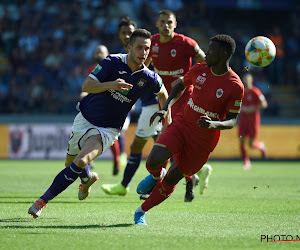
(110, 108)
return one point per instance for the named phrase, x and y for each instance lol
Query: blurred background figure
(249, 122)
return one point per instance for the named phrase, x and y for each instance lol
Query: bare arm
(179, 94)
(162, 98)
(200, 56)
(227, 123)
(93, 86)
(176, 90)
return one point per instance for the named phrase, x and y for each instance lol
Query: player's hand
(205, 122)
(120, 84)
(161, 114)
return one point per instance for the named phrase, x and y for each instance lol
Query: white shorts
(82, 129)
(143, 128)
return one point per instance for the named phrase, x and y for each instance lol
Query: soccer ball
(260, 51)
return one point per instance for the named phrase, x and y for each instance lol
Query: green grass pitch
(238, 207)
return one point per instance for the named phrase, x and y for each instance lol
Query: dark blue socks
(64, 179)
(133, 163)
(85, 175)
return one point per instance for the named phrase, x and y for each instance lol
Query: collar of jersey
(124, 59)
(221, 74)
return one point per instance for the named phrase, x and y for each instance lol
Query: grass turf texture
(238, 207)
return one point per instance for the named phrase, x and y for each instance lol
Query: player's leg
(123, 154)
(115, 149)
(204, 174)
(143, 133)
(131, 167)
(87, 178)
(258, 145)
(161, 192)
(92, 148)
(245, 157)
(146, 195)
(156, 161)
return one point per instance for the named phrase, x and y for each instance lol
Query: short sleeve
(192, 47)
(102, 70)
(187, 79)
(156, 87)
(236, 97)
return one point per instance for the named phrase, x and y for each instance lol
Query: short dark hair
(227, 41)
(139, 33)
(126, 21)
(167, 13)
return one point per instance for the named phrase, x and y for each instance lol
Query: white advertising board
(41, 141)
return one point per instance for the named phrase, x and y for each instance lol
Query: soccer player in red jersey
(249, 122)
(171, 54)
(213, 106)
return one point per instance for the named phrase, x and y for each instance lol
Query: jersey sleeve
(187, 79)
(156, 87)
(192, 47)
(235, 101)
(259, 94)
(102, 70)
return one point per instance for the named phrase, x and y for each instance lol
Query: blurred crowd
(47, 46)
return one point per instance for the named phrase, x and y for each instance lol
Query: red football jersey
(213, 95)
(172, 58)
(251, 98)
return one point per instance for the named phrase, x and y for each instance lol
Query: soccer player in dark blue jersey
(113, 86)
(144, 130)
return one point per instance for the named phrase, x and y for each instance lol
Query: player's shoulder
(256, 90)
(200, 66)
(155, 37)
(117, 58)
(235, 79)
(183, 38)
(150, 73)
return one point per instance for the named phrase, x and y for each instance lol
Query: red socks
(243, 152)
(157, 172)
(161, 192)
(115, 149)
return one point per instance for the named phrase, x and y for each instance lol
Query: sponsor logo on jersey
(173, 52)
(219, 93)
(119, 95)
(141, 82)
(155, 48)
(97, 69)
(169, 73)
(160, 82)
(122, 72)
(202, 110)
(238, 103)
(201, 78)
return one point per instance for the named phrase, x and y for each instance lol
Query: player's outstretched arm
(93, 86)
(162, 99)
(176, 90)
(227, 123)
